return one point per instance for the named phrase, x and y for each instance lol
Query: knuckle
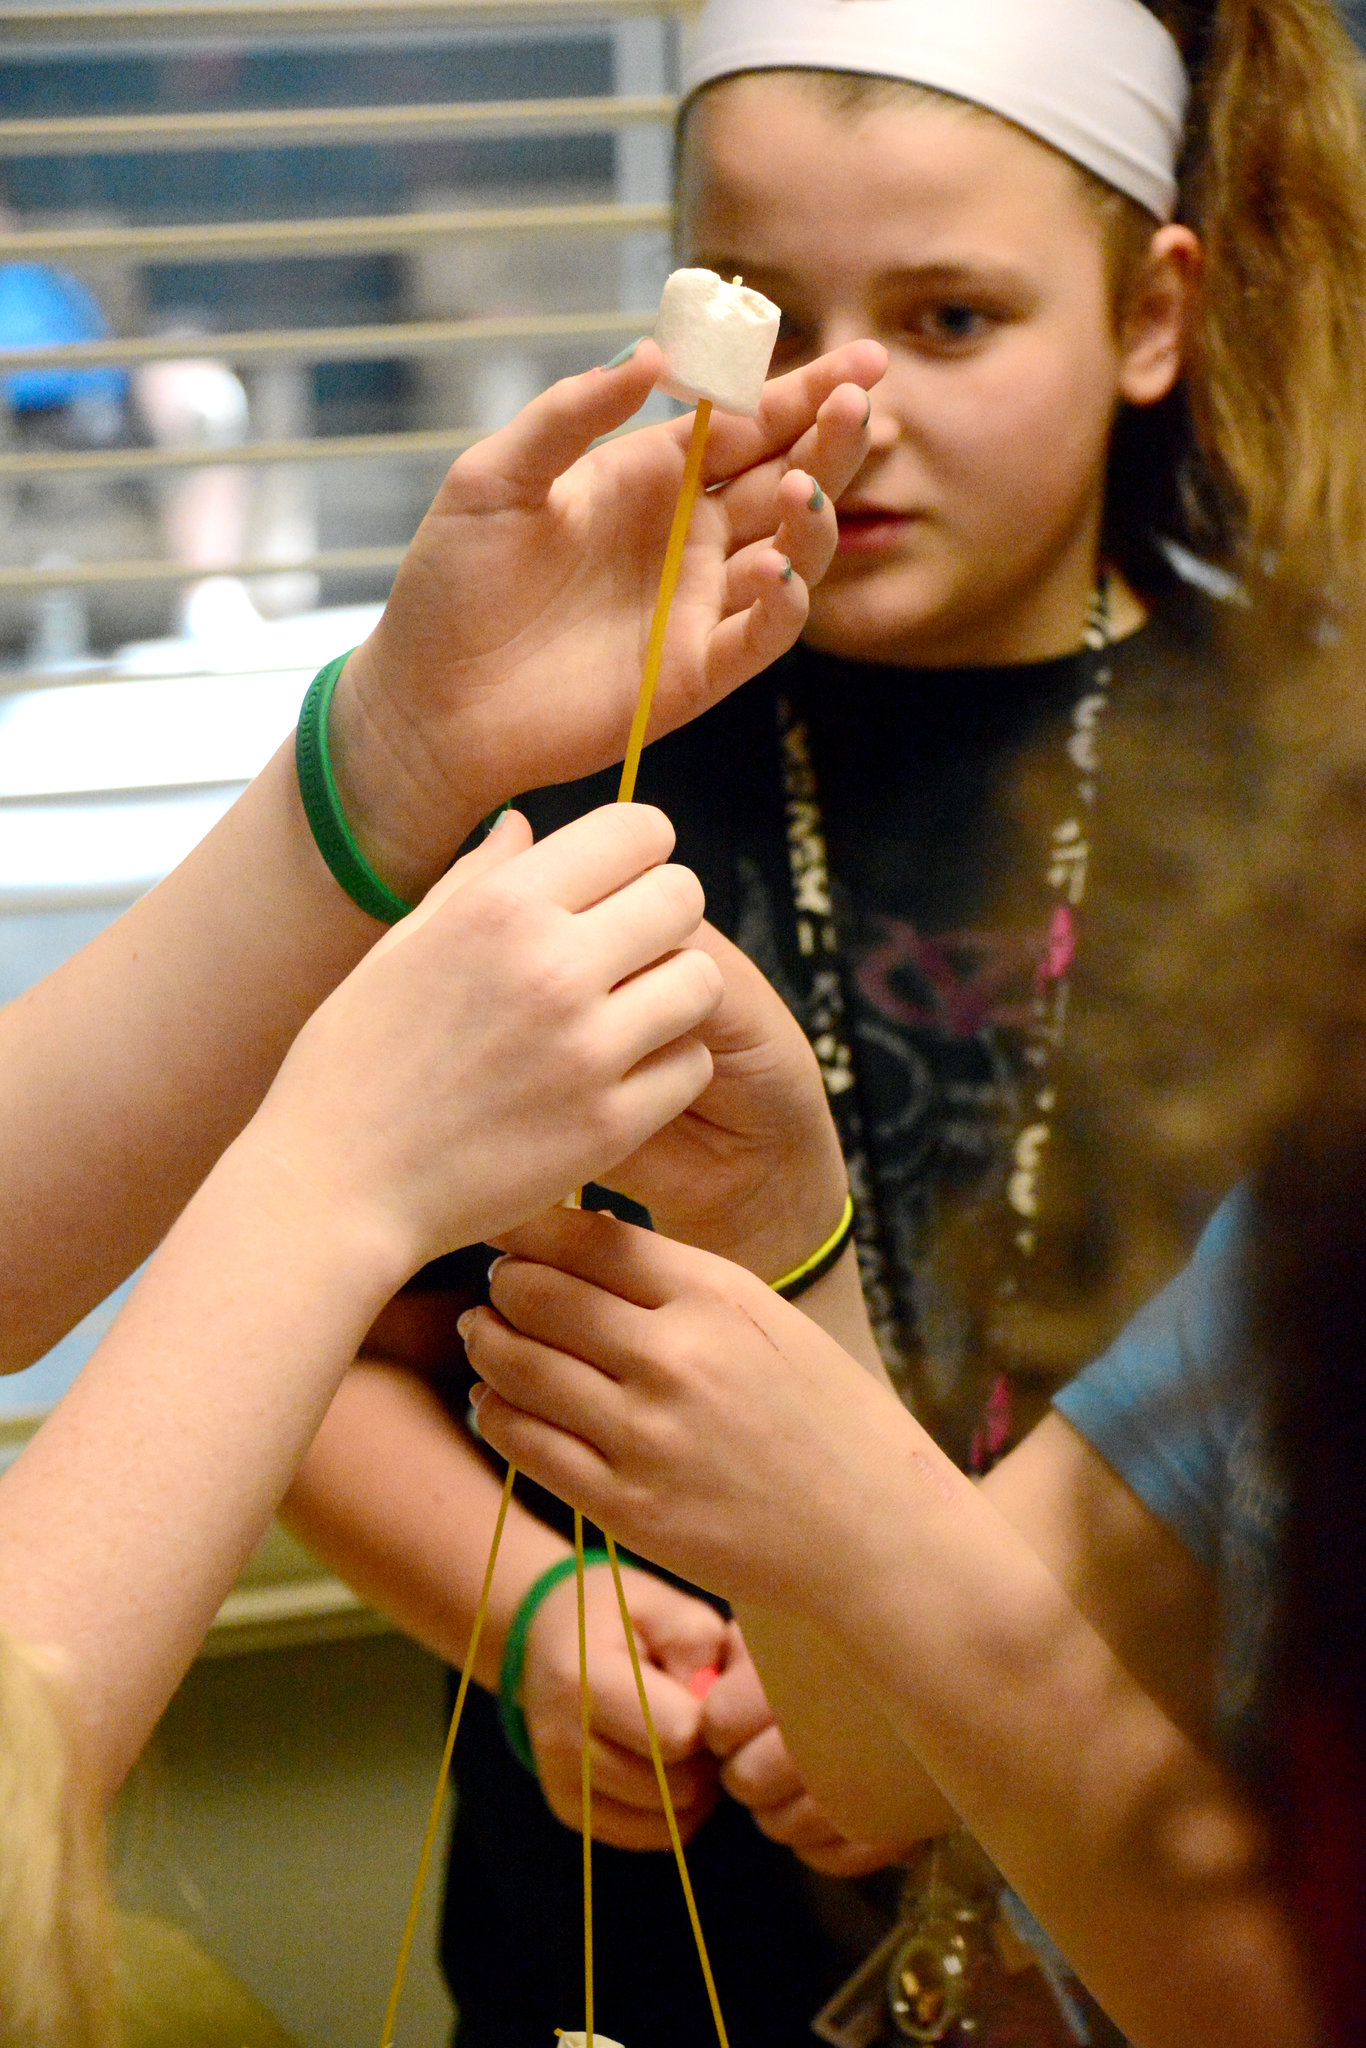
(679, 892)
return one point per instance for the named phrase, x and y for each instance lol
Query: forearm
(864, 1774)
(128, 1518)
(397, 1500)
(124, 1075)
(1132, 1847)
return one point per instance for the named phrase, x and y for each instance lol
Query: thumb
(509, 837)
(736, 1709)
(521, 461)
(681, 1634)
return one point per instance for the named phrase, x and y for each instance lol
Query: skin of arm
(528, 586)
(707, 1420)
(125, 1520)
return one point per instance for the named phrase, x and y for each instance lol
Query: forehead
(772, 167)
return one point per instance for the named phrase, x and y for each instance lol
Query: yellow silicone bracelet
(818, 1265)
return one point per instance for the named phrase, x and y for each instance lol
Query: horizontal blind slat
(89, 575)
(293, 127)
(433, 441)
(90, 22)
(331, 344)
(229, 240)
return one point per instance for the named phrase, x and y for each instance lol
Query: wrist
(346, 1253)
(510, 1715)
(772, 1226)
(403, 814)
(374, 1250)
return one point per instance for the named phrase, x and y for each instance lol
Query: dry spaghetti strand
(424, 1861)
(668, 584)
(666, 1799)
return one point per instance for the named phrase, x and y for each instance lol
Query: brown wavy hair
(1259, 461)
(56, 1938)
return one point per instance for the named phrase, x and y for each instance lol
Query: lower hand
(522, 1030)
(758, 1772)
(677, 1636)
(681, 1403)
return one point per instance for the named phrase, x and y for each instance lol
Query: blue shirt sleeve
(1166, 1404)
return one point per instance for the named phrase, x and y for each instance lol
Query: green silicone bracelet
(323, 807)
(510, 1713)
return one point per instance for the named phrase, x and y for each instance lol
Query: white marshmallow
(718, 338)
(580, 2040)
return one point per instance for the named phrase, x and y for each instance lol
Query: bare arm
(1132, 1579)
(508, 655)
(397, 1499)
(748, 1451)
(124, 1521)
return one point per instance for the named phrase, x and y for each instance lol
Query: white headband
(1101, 80)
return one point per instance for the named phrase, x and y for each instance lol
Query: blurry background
(266, 266)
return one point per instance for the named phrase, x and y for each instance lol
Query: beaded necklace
(827, 1015)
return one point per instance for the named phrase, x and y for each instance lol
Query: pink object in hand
(701, 1682)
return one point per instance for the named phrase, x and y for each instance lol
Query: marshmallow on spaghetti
(580, 2040)
(718, 339)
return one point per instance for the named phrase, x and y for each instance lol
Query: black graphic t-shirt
(938, 871)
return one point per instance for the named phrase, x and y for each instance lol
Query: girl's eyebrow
(943, 274)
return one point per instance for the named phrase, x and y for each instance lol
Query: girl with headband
(1116, 253)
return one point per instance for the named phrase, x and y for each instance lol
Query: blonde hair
(56, 1944)
(1254, 461)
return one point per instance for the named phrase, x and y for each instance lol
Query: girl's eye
(795, 339)
(954, 326)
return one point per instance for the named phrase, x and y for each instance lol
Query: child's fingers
(787, 409)
(657, 1089)
(655, 1008)
(736, 1708)
(572, 1469)
(633, 1264)
(597, 854)
(762, 1775)
(510, 836)
(642, 920)
(831, 452)
(629, 1778)
(751, 640)
(518, 464)
(809, 532)
(584, 1330)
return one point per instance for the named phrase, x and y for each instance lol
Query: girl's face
(973, 253)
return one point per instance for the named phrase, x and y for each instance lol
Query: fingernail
(499, 1261)
(464, 1324)
(816, 500)
(625, 355)
(496, 820)
(787, 568)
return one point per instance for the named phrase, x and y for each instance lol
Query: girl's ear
(1158, 313)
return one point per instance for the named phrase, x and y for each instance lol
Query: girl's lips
(868, 529)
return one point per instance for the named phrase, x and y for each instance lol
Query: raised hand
(510, 651)
(520, 1032)
(677, 1636)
